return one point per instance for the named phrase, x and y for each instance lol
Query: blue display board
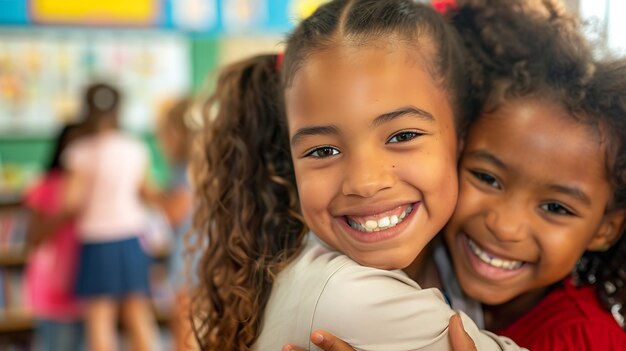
(13, 12)
(201, 16)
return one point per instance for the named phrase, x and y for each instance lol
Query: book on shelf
(13, 225)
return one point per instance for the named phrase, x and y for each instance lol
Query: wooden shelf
(10, 200)
(12, 258)
(21, 321)
(15, 321)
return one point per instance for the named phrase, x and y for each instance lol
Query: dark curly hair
(536, 50)
(606, 98)
(247, 202)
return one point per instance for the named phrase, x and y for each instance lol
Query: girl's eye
(403, 137)
(322, 152)
(556, 208)
(487, 179)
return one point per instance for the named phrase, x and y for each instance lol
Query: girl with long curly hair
(357, 140)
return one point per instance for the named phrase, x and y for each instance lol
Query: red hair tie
(279, 60)
(443, 6)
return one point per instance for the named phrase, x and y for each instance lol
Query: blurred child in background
(53, 254)
(175, 134)
(105, 189)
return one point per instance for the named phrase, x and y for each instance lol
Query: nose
(507, 223)
(367, 173)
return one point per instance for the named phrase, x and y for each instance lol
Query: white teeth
(371, 224)
(380, 224)
(394, 219)
(384, 222)
(493, 261)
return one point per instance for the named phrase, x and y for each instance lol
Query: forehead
(540, 140)
(349, 79)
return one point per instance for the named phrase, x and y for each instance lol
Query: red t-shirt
(568, 318)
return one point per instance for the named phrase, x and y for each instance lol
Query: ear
(610, 230)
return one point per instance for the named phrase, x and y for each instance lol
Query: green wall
(203, 60)
(34, 153)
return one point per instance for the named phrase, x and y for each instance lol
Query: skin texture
(371, 135)
(533, 189)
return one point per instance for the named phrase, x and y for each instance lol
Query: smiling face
(532, 198)
(374, 148)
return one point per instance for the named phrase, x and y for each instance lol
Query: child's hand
(324, 340)
(459, 338)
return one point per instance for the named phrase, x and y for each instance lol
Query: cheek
(470, 204)
(315, 192)
(561, 251)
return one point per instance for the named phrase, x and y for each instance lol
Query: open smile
(492, 260)
(375, 227)
(489, 265)
(374, 224)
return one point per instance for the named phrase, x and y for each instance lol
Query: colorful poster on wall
(195, 15)
(109, 12)
(43, 74)
(242, 15)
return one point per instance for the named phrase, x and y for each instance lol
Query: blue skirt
(113, 269)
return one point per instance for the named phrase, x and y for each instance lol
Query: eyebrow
(571, 191)
(317, 130)
(403, 111)
(482, 154)
(384, 118)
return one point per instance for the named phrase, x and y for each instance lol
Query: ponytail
(247, 204)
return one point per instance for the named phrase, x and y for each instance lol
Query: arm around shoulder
(375, 309)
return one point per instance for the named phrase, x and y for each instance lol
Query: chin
(385, 265)
(487, 297)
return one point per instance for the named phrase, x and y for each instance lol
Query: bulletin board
(43, 74)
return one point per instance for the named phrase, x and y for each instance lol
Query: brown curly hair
(247, 204)
(248, 211)
(522, 49)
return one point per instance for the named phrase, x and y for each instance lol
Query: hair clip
(444, 6)
(279, 60)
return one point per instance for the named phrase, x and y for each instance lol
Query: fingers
(290, 347)
(328, 342)
(459, 338)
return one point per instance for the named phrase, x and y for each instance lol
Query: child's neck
(501, 316)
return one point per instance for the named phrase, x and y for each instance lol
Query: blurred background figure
(176, 134)
(53, 248)
(106, 179)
